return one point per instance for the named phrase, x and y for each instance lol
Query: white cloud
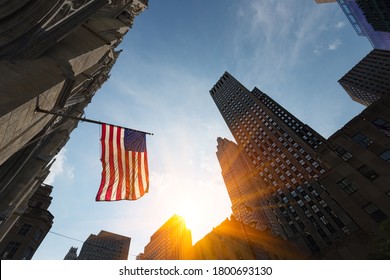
(277, 38)
(340, 24)
(334, 45)
(60, 168)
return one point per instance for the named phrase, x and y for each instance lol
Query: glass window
(38, 234)
(294, 229)
(10, 250)
(362, 140)
(385, 156)
(375, 213)
(344, 154)
(368, 172)
(24, 229)
(383, 126)
(28, 254)
(347, 186)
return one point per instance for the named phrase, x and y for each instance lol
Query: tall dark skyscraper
(377, 13)
(369, 80)
(282, 152)
(358, 20)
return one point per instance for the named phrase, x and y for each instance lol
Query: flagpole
(39, 110)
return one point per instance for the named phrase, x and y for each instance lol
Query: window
(383, 126)
(24, 229)
(330, 228)
(294, 229)
(38, 235)
(362, 140)
(28, 254)
(368, 172)
(374, 212)
(345, 155)
(347, 186)
(10, 250)
(385, 156)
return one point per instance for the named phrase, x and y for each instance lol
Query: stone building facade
(233, 240)
(55, 55)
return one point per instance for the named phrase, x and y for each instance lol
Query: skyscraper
(377, 13)
(358, 20)
(240, 184)
(368, 80)
(282, 151)
(72, 254)
(105, 246)
(172, 241)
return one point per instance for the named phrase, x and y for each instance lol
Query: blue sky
(295, 51)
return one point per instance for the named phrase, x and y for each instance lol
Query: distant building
(357, 18)
(105, 246)
(241, 184)
(233, 240)
(41, 65)
(28, 231)
(377, 13)
(369, 80)
(172, 241)
(72, 254)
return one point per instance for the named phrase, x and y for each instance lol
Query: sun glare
(190, 212)
(201, 215)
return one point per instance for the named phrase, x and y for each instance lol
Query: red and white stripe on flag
(125, 165)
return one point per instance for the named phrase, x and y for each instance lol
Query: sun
(191, 213)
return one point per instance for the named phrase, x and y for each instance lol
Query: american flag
(125, 165)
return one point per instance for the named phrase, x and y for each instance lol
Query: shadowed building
(105, 246)
(359, 156)
(241, 185)
(72, 254)
(55, 55)
(24, 237)
(369, 80)
(233, 240)
(172, 241)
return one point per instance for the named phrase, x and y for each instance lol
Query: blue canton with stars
(135, 141)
